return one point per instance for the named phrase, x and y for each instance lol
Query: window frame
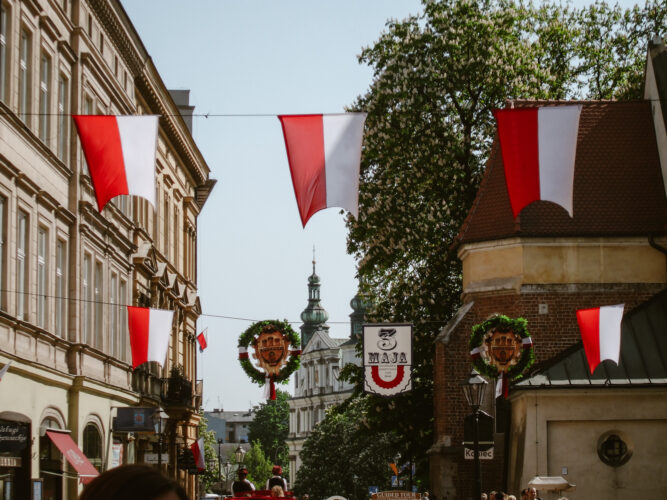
(42, 276)
(25, 73)
(22, 265)
(45, 91)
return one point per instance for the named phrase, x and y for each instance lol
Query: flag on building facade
(324, 153)
(120, 152)
(4, 369)
(150, 330)
(202, 339)
(539, 148)
(600, 329)
(198, 451)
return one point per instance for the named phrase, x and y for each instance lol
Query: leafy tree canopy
(270, 427)
(437, 78)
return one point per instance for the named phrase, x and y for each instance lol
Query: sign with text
(387, 358)
(396, 495)
(153, 458)
(469, 454)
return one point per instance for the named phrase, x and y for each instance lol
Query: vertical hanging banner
(387, 358)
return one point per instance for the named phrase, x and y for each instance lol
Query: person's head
(133, 482)
(277, 491)
(532, 493)
(511, 497)
(484, 497)
(305, 496)
(524, 494)
(499, 496)
(277, 470)
(242, 473)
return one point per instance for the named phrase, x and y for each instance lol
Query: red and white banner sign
(202, 340)
(387, 359)
(539, 147)
(198, 452)
(120, 151)
(324, 153)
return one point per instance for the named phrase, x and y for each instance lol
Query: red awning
(73, 454)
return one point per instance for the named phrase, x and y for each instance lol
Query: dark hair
(131, 482)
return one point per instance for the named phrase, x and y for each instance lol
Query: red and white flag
(150, 330)
(4, 369)
(601, 333)
(120, 151)
(202, 339)
(198, 451)
(539, 147)
(324, 153)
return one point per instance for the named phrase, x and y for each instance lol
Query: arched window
(51, 466)
(92, 445)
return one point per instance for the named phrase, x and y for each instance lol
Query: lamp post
(227, 467)
(239, 454)
(219, 460)
(473, 389)
(159, 420)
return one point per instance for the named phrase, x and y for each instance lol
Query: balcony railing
(177, 391)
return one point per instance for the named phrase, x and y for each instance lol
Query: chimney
(182, 100)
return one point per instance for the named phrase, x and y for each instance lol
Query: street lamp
(239, 454)
(473, 388)
(219, 460)
(227, 467)
(160, 419)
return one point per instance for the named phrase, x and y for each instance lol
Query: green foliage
(437, 78)
(341, 456)
(209, 476)
(270, 427)
(259, 467)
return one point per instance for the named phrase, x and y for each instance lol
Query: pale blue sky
(261, 57)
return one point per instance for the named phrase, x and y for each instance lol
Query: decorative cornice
(48, 26)
(66, 51)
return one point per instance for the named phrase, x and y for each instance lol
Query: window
(113, 320)
(90, 25)
(4, 52)
(21, 264)
(92, 445)
(87, 110)
(44, 98)
(124, 335)
(42, 273)
(63, 121)
(98, 306)
(166, 227)
(24, 75)
(61, 288)
(87, 299)
(177, 233)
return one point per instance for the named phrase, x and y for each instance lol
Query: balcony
(178, 398)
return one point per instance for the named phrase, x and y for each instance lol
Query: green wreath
(248, 337)
(503, 324)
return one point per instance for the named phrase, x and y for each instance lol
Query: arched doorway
(15, 442)
(93, 446)
(51, 465)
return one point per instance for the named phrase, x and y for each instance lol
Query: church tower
(314, 316)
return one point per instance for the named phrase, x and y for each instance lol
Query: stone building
(67, 271)
(543, 266)
(316, 383)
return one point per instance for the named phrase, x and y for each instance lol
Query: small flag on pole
(150, 330)
(202, 339)
(324, 153)
(120, 151)
(4, 369)
(601, 333)
(539, 147)
(198, 451)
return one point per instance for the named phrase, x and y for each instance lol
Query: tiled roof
(643, 355)
(618, 186)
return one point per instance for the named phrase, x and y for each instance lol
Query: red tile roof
(618, 185)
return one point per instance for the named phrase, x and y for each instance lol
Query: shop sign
(13, 436)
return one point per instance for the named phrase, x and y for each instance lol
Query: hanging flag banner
(601, 333)
(4, 369)
(202, 340)
(120, 152)
(198, 452)
(539, 147)
(501, 348)
(277, 353)
(324, 153)
(387, 358)
(150, 330)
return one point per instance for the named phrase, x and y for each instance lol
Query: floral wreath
(503, 324)
(249, 336)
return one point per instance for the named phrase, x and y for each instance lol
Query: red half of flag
(120, 152)
(600, 329)
(202, 339)
(539, 150)
(324, 154)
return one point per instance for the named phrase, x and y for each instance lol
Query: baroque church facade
(316, 385)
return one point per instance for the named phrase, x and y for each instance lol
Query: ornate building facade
(316, 384)
(67, 271)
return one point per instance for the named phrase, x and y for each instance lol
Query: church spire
(314, 316)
